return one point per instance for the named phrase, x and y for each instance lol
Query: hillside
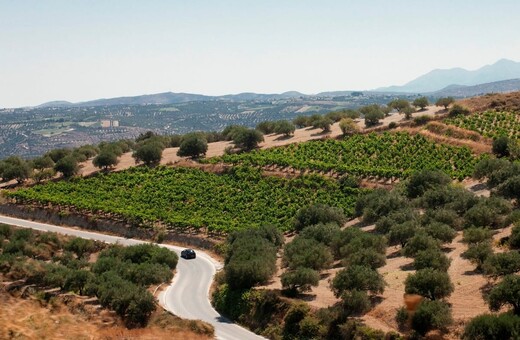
(461, 91)
(439, 79)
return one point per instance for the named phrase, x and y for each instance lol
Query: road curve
(188, 294)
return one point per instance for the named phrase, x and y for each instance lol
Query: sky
(83, 50)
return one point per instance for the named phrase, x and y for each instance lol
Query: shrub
(458, 110)
(440, 231)
(502, 264)
(506, 293)
(501, 146)
(355, 302)
(300, 280)
(357, 278)
(431, 258)
(318, 213)
(348, 126)
(419, 242)
(421, 120)
(430, 283)
(323, 233)
(193, 145)
(424, 180)
(402, 233)
(308, 253)
(431, 315)
(514, 239)
(493, 327)
(476, 235)
(477, 253)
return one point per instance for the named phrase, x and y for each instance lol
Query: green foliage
(491, 124)
(308, 253)
(431, 315)
(323, 233)
(458, 110)
(355, 302)
(399, 104)
(14, 168)
(477, 235)
(430, 283)
(400, 216)
(514, 239)
(357, 278)
(431, 258)
(318, 213)
(501, 146)
(68, 166)
(445, 101)
(507, 292)
(247, 139)
(367, 257)
(251, 260)
(284, 127)
(419, 242)
(352, 240)
(379, 203)
(493, 327)
(372, 114)
(193, 145)
(477, 253)
(322, 123)
(385, 155)
(421, 102)
(502, 264)
(424, 180)
(348, 126)
(402, 233)
(491, 212)
(190, 198)
(440, 231)
(299, 280)
(149, 153)
(80, 246)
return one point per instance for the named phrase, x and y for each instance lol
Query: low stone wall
(103, 225)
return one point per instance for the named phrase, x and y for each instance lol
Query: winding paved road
(187, 295)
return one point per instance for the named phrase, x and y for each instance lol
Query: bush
(105, 159)
(501, 146)
(493, 327)
(431, 258)
(284, 127)
(425, 180)
(149, 153)
(418, 243)
(490, 212)
(476, 235)
(477, 253)
(430, 283)
(368, 257)
(506, 293)
(193, 145)
(80, 246)
(355, 302)
(440, 231)
(299, 280)
(458, 110)
(323, 233)
(247, 139)
(318, 213)
(358, 278)
(348, 126)
(514, 239)
(402, 233)
(421, 120)
(431, 315)
(308, 253)
(502, 264)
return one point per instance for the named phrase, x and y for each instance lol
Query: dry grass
(30, 319)
(498, 101)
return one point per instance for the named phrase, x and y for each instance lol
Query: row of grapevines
(187, 198)
(490, 123)
(384, 155)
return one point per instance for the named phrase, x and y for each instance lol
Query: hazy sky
(80, 50)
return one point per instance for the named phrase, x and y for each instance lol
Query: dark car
(188, 254)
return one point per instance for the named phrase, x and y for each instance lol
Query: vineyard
(190, 198)
(384, 155)
(490, 124)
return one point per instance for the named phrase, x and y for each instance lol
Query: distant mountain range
(173, 98)
(436, 80)
(502, 76)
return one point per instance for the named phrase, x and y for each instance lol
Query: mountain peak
(503, 69)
